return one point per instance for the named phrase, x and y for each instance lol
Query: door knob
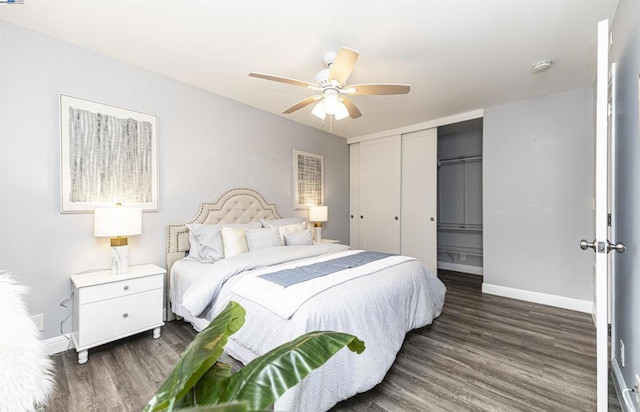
(584, 245)
(618, 247)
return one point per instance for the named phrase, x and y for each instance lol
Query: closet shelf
(473, 251)
(459, 228)
(459, 159)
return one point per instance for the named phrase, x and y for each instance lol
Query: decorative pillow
(261, 238)
(298, 238)
(286, 229)
(205, 242)
(233, 241)
(282, 222)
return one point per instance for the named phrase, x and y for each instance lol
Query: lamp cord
(626, 401)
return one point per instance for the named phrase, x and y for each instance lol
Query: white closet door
(354, 195)
(419, 197)
(380, 194)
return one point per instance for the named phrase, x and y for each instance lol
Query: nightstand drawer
(120, 288)
(110, 319)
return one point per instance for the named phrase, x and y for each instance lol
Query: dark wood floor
(484, 353)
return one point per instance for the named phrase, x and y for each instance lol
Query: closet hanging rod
(460, 159)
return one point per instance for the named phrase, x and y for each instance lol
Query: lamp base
(318, 234)
(119, 260)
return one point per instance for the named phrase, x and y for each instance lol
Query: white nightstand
(108, 307)
(326, 241)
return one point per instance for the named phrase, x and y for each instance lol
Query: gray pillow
(262, 238)
(298, 238)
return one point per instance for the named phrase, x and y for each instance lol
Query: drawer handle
(126, 287)
(125, 315)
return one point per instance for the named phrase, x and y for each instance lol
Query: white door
(379, 224)
(601, 244)
(418, 230)
(354, 196)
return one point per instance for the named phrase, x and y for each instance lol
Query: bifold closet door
(419, 197)
(379, 216)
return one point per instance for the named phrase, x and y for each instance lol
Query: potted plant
(201, 382)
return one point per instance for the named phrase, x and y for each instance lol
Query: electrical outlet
(636, 386)
(463, 256)
(39, 321)
(621, 353)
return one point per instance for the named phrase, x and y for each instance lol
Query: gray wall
(626, 291)
(537, 181)
(207, 144)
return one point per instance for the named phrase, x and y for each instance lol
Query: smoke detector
(541, 66)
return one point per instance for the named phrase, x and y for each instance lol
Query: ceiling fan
(332, 82)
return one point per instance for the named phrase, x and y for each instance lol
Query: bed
(379, 300)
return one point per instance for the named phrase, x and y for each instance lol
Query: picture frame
(308, 179)
(108, 155)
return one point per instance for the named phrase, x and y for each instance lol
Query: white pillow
(205, 242)
(282, 222)
(286, 229)
(261, 238)
(298, 238)
(233, 241)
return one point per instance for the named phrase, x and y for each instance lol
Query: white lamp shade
(318, 110)
(318, 213)
(117, 221)
(341, 111)
(330, 105)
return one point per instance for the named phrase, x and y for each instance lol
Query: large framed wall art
(109, 155)
(308, 179)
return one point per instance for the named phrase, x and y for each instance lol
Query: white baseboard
(537, 297)
(624, 397)
(58, 344)
(456, 267)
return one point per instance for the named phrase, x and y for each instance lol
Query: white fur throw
(25, 369)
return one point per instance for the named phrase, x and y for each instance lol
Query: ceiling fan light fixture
(318, 110)
(328, 106)
(331, 102)
(341, 111)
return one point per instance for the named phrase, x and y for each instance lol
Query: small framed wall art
(109, 155)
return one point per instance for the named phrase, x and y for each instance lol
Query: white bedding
(285, 301)
(378, 308)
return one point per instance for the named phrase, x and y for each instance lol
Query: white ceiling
(457, 55)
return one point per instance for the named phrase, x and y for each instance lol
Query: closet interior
(459, 202)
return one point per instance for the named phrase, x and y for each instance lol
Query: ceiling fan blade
(302, 104)
(379, 89)
(285, 80)
(354, 113)
(343, 64)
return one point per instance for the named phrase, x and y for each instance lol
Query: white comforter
(378, 308)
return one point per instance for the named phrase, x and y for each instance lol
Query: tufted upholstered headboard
(234, 206)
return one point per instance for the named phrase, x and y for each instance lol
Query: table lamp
(118, 223)
(317, 215)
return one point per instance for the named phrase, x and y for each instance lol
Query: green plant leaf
(223, 407)
(266, 378)
(199, 356)
(208, 387)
